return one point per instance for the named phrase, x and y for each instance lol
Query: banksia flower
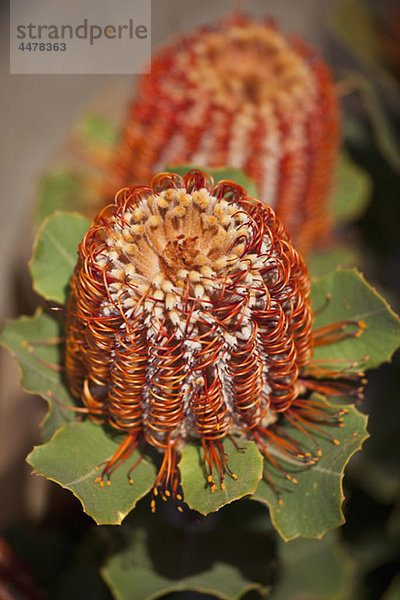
(190, 318)
(240, 94)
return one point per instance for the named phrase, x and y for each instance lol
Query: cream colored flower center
(176, 247)
(252, 64)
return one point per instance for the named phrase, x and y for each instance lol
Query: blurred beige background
(37, 113)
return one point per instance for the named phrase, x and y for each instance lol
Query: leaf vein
(59, 247)
(83, 477)
(328, 471)
(41, 372)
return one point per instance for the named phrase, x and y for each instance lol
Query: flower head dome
(190, 318)
(239, 93)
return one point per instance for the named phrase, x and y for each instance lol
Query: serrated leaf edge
(249, 493)
(182, 588)
(364, 436)
(42, 395)
(375, 292)
(120, 514)
(38, 235)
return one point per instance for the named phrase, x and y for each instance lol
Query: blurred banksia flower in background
(190, 318)
(239, 93)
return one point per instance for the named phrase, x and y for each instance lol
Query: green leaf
(35, 342)
(313, 505)
(222, 581)
(55, 254)
(352, 298)
(246, 464)
(351, 192)
(313, 570)
(97, 133)
(231, 173)
(64, 190)
(157, 559)
(324, 261)
(70, 458)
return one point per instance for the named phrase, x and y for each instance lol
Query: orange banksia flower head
(239, 93)
(190, 318)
